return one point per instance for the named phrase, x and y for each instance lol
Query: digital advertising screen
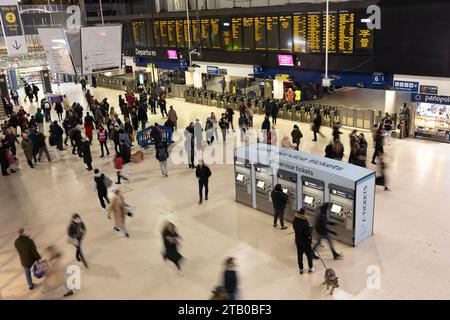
(286, 60)
(172, 54)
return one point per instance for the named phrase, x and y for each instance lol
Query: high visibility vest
(298, 95)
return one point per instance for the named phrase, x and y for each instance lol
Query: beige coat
(117, 208)
(172, 115)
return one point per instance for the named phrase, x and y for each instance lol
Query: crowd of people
(79, 126)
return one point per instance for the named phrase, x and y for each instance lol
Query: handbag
(40, 268)
(107, 181)
(129, 210)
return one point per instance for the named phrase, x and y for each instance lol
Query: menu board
(346, 32)
(206, 32)
(226, 34)
(179, 33)
(163, 31)
(286, 33)
(156, 33)
(272, 33)
(314, 39)
(332, 32)
(186, 33)
(237, 33)
(260, 33)
(171, 33)
(195, 32)
(249, 33)
(215, 33)
(300, 32)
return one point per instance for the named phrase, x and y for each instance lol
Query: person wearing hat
(302, 228)
(28, 255)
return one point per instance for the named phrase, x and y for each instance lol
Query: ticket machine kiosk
(313, 196)
(264, 186)
(243, 183)
(341, 212)
(288, 181)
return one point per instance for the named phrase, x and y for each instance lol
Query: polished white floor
(409, 247)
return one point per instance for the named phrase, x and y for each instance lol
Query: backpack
(162, 154)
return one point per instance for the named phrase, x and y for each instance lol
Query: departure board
(226, 35)
(236, 31)
(260, 33)
(272, 33)
(346, 32)
(206, 33)
(364, 39)
(249, 33)
(163, 31)
(157, 33)
(215, 33)
(171, 33)
(300, 32)
(332, 32)
(179, 33)
(286, 33)
(314, 40)
(195, 32)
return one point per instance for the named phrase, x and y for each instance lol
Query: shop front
(432, 116)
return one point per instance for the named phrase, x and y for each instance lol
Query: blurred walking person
(303, 240)
(381, 180)
(322, 230)
(230, 278)
(203, 173)
(76, 233)
(28, 254)
(118, 208)
(102, 183)
(171, 240)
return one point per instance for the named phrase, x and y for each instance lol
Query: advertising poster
(365, 191)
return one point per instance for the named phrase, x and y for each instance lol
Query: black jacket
(266, 125)
(230, 281)
(322, 223)
(302, 229)
(279, 199)
(203, 173)
(27, 251)
(86, 147)
(76, 230)
(100, 184)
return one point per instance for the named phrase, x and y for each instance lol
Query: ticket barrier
(341, 212)
(243, 182)
(313, 193)
(264, 187)
(288, 181)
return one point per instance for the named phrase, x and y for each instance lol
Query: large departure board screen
(226, 34)
(332, 32)
(187, 34)
(314, 41)
(156, 33)
(195, 32)
(215, 33)
(206, 34)
(179, 33)
(272, 33)
(163, 31)
(300, 32)
(346, 32)
(260, 33)
(286, 33)
(171, 37)
(237, 33)
(249, 33)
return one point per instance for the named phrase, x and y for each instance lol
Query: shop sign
(408, 86)
(430, 98)
(282, 77)
(223, 72)
(212, 70)
(145, 53)
(429, 89)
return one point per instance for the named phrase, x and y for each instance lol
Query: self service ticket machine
(288, 181)
(341, 212)
(313, 196)
(264, 187)
(243, 183)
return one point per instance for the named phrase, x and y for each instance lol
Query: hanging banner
(46, 82)
(145, 140)
(3, 85)
(12, 28)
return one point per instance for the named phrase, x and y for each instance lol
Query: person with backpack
(76, 232)
(296, 135)
(322, 230)
(303, 239)
(203, 173)
(279, 200)
(162, 155)
(45, 105)
(118, 165)
(28, 254)
(102, 183)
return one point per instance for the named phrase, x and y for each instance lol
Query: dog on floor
(331, 280)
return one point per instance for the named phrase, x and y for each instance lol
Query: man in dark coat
(102, 189)
(75, 135)
(87, 157)
(203, 173)
(35, 91)
(279, 200)
(322, 230)
(28, 255)
(303, 239)
(317, 123)
(265, 128)
(142, 115)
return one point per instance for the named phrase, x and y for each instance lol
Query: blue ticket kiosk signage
(310, 181)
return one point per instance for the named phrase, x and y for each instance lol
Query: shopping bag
(108, 182)
(40, 268)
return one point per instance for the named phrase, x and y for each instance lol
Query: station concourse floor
(409, 246)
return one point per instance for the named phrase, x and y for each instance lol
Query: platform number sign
(378, 78)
